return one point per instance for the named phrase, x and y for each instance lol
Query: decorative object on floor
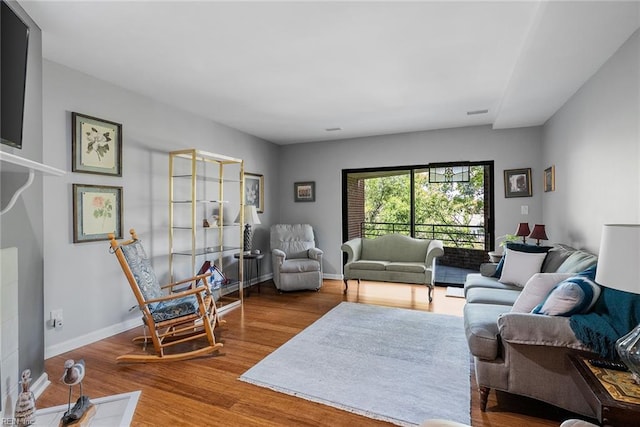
(618, 268)
(304, 191)
(517, 183)
(455, 292)
(96, 145)
(538, 233)
(254, 191)
(523, 231)
(84, 409)
(398, 365)
(115, 410)
(97, 211)
(25, 411)
(250, 218)
(179, 317)
(550, 179)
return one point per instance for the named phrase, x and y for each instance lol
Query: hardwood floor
(207, 392)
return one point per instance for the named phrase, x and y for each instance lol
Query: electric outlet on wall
(56, 318)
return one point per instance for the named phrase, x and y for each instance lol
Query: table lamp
(523, 231)
(250, 218)
(538, 233)
(619, 268)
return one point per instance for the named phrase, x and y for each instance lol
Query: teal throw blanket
(614, 315)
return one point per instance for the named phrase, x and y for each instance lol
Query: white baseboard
(40, 385)
(91, 337)
(332, 276)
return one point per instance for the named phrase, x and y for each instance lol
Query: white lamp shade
(619, 257)
(250, 215)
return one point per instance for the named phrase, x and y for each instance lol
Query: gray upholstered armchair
(297, 263)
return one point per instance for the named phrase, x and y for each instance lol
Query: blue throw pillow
(589, 272)
(574, 295)
(520, 247)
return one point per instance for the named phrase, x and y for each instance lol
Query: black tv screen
(14, 43)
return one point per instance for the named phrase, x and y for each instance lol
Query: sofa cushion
(406, 267)
(536, 290)
(574, 295)
(520, 266)
(556, 256)
(369, 265)
(492, 296)
(395, 247)
(481, 328)
(576, 262)
(477, 280)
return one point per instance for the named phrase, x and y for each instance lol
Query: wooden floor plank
(206, 391)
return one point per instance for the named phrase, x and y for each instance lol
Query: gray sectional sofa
(519, 352)
(392, 258)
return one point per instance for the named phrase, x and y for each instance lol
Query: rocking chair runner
(172, 319)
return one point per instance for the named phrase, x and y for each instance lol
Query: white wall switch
(524, 210)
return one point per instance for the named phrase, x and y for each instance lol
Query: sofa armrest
(353, 249)
(536, 329)
(434, 250)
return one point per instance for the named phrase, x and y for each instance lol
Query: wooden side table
(248, 258)
(612, 395)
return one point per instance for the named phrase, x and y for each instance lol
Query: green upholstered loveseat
(392, 258)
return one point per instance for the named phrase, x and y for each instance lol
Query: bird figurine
(26, 404)
(73, 374)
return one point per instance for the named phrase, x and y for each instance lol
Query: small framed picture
(96, 145)
(97, 211)
(304, 191)
(517, 183)
(550, 179)
(254, 191)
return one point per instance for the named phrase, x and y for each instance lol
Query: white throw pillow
(536, 290)
(520, 266)
(574, 295)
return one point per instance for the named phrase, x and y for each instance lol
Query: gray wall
(84, 279)
(594, 142)
(21, 227)
(323, 163)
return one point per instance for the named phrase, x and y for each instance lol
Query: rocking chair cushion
(142, 271)
(167, 310)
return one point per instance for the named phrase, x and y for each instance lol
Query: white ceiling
(286, 71)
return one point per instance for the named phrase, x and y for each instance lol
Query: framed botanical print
(254, 191)
(304, 191)
(97, 211)
(517, 183)
(96, 145)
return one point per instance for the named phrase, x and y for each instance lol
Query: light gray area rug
(393, 364)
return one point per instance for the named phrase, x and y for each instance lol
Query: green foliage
(456, 205)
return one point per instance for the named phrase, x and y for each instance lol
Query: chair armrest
(278, 255)
(177, 295)
(434, 250)
(191, 279)
(536, 329)
(352, 248)
(315, 253)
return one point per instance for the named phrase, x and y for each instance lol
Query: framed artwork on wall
(550, 178)
(517, 183)
(254, 191)
(304, 191)
(97, 211)
(96, 145)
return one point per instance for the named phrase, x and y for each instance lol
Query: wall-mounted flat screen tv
(14, 43)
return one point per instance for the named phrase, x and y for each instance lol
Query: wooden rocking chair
(173, 318)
